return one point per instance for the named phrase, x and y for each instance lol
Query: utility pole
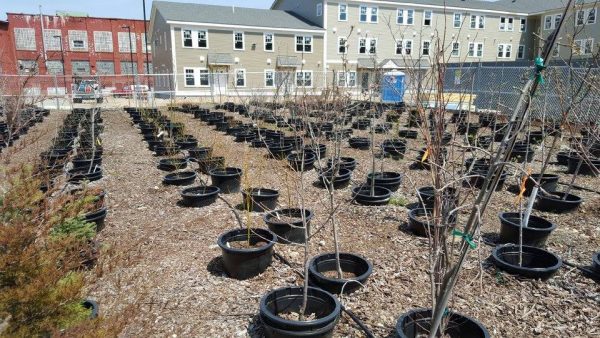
(146, 39)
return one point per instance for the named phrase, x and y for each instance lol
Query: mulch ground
(161, 268)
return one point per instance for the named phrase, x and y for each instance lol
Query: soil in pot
(279, 310)
(287, 224)
(417, 324)
(180, 178)
(172, 164)
(364, 196)
(536, 262)
(322, 272)
(259, 199)
(199, 196)
(557, 202)
(247, 252)
(535, 233)
(227, 179)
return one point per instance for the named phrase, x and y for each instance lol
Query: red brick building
(79, 46)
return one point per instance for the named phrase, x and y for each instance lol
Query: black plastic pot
(152, 144)
(320, 149)
(344, 163)
(535, 137)
(423, 228)
(92, 306)
(259, 199)
(79, 175)
(84, 163)
(227, 179)
(557, 203)
(407, 133)
(535, 233)
(586, 168)
(244, 263)
(596, 262)
(562, 157)
(321, 303)
(362, 195)
(340, 180)
(291, 228)
(548, 182)
(536, 263)
(97, 217)
(180, 178)
(361, 143)
(172, 164)
(199, 196)
(417, 323)
(427, 194)
(387, 179)
(394, 148)
(478, 176)
(208, 164)
(279, 151)
(296, 160)
(355, 264)
(166, 151)
(187, 143)
(522, 154)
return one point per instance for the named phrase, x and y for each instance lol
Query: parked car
(87, 90)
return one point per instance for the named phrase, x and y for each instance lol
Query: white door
(220, 78)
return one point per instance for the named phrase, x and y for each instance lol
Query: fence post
(56, 91)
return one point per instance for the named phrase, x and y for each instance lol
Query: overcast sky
(106, 8)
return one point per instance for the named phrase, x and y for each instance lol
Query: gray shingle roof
(220, 59)
(288, 61)
(228, 15)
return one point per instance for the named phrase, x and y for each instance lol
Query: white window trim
(401, 42)
(506, 24)
(369, 14)
(551, 22)
(312, 44)
(475, 45)
(348, 78)
(183, 38)
(581, 42)
(340, 11)
(200, 82)
(369, 46)
(525, 29)
(587, 16)
(524, 49)
(454, 21)
(366, 12)
(185, 69)
(431, 18)
(319, 9)
(312, 80)
(243, 40)
(338, 45)
(265, 78)
(265, 42)
(452, 49)
(428, 49)
(197, 36)
(405, 17)
(478, 19)
(412, 46)
(504, 51)
(235, 78)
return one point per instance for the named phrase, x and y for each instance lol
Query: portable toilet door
(392, 87)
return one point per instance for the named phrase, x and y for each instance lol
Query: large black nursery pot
(325, 307)
(536, 262)
(164, 150)
(199, 196)
(427, 195)
(172, 164)
(247, 252)
(287, 224)
(361, 143)
(301, 161)
(84, 163)
(180, 178)
(421, 220)
(337, 180)
(363, 195)
(280, 151)
(386, 179)
(97, 217)
(394, 148)
(548, 182)
(522, 153)
(208, 164)
(408, 133)
(322, 272)
(478, 175)
(259, 199)
(591, 168)
(343, 163)
(535, 233)
(227, 179)
(557, 202)
(417, 323)
(83, 174)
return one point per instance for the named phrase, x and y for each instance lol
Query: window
(403, 47)
(521, 52)
(346, 79)
(190, 77)
(586, 16)
(238, 40)
(268, 38)
(405, 16)
(304, 43)
(455, 49)
(477, 22)
(351, 79)
(584, 46)
(427, 18)
(202, 39)
(556, 51)
(504, 51)
(399, 47)
(548, 22)
(25, 39)
(27, 66)
(304, 79)
(103, 42)
(557, 19)
(126, 42)
(128, 68)
(367, 46)
(457, 20)
(591, 17)
(506, 24)
(342, 12)
(240, 78)
(523, 26)
(319, 9)
(368, 14)
(408, 47)
(187, 39)
(148, 68)
(50, 42)
(143, 41)
(425, 48)
(203, 77)
(475, 49)
(269, 78)
(105, 67)
(78, 40)
(342, 42)
(341, 79)
(80, 67)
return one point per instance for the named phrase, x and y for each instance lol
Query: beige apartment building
(313, 44)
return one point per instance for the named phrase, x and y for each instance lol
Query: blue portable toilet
(392, 87)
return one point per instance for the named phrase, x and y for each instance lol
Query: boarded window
(128, 68)
(78, 41)
(25, 39)
(52, 39)
(125, 41)
(27, 67)
(54, 67)
(103, 42)
(105, 67)
(143, 39)
(81, 67)
(148, 68)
